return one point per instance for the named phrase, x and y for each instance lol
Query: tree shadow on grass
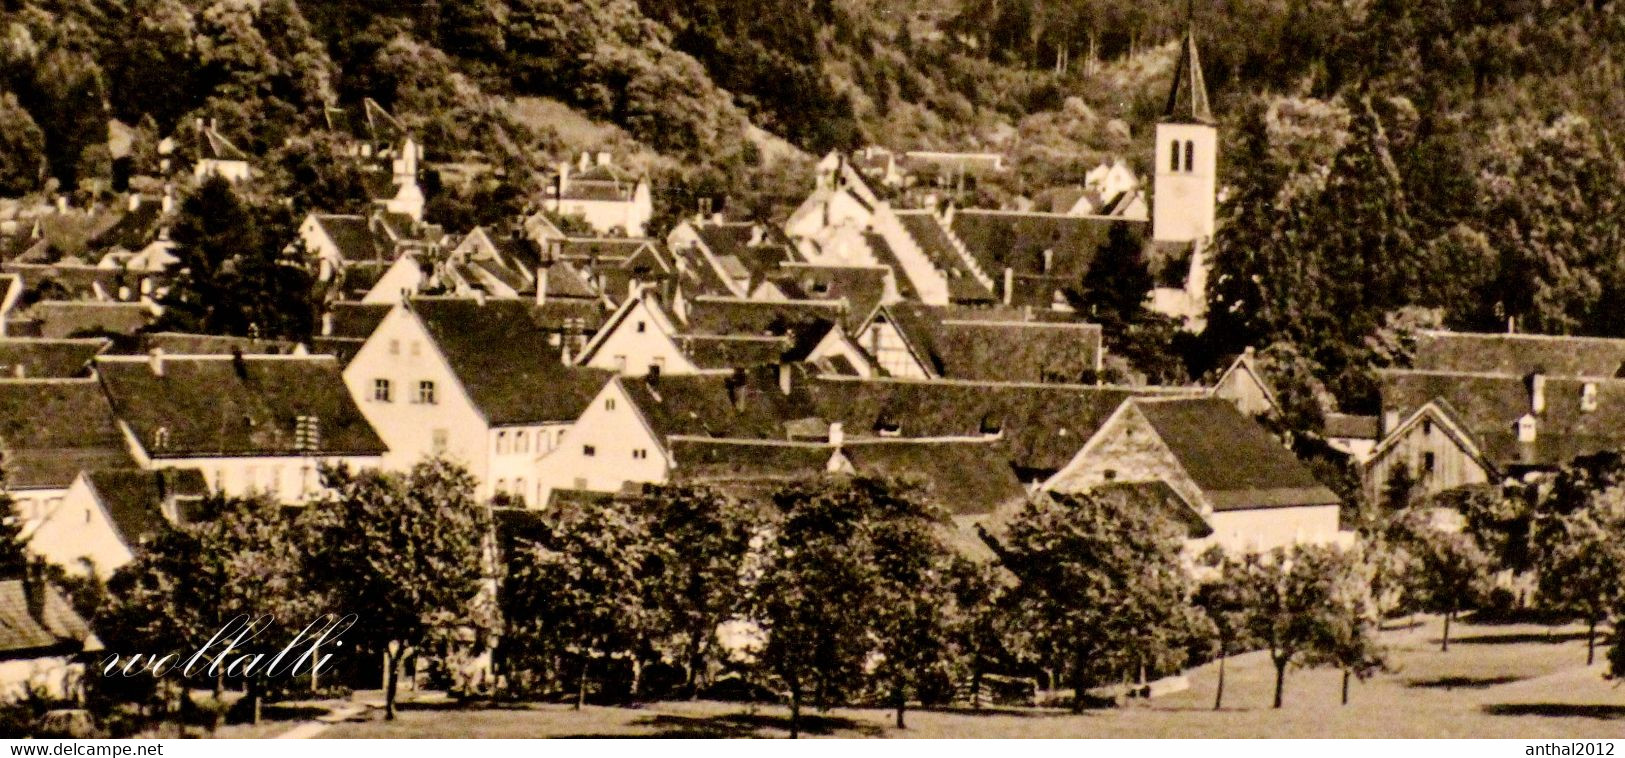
(1519, 638)
(1462, 682)
(278, 712)
(464, 705)
(1026, 713)
(736, 725)
(1557, 710)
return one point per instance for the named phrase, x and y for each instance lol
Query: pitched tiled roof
(747, 405)
(1017, 240)
(51, 430)
(177, 343)
(961, 343)
(887, 257)
(354, 238)
(1152, 497)
(1353, 427)
(134, 498)
(731, 351)
(1230, 457)
(1519, 354)
(1043, 425)
(58, 319)
(862, 287)
(1490, 405)
(606, 249)
(48, 359)
(702, 460)
(964, 477)
(503, 353)
(566, 281)
(227, 406)
(928, 232)
(728, 315)
(57, 629)
(356, 320)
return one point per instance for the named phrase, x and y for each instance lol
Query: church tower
(1185, 190)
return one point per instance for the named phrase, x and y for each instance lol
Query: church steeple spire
(1187, 98)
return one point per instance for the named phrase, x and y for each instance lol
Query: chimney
(757, 233)
(155, 359)
(837, 434)
(479, 296)
(1390, 420)
(34, 590)
(586, 161)
(564, 351)
(787, 378)
(1527, 428)
(1009, 284)
(20, 371)
(61, 203)
(327, 324)
(603, 158)
(541, 285)
(1537, 393)
(135, 201)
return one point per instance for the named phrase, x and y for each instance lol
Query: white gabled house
(641, 338)
(480, 382)
(109, 513)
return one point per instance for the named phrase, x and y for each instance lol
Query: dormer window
(1588, 397)
(160, 438)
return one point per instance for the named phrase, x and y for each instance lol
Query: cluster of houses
(929, 343)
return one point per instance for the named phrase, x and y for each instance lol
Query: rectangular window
(640, 454)
(381, 390)
(589, 450)
(519, 487)
(620, 364)
(439, 440)
(1427, 463)
(426, 392)
(502, 443)
(1190, 156)
(609, 404)
(1173, 164)
(394, 347)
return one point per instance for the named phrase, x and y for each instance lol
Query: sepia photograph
(947, 369)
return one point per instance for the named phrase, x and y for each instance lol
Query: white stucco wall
(612, 428)
(78, 528)
(513, 454)
(401, 351)
(631, 351)
(1269, 528)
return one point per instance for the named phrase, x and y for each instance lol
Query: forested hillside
(1387, 163)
